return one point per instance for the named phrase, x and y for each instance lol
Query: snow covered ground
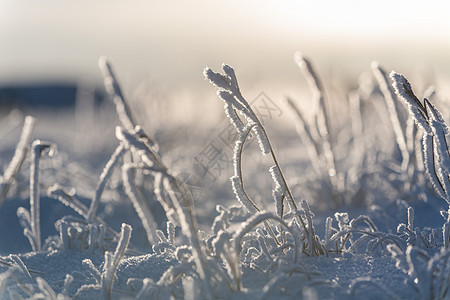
(370, 228)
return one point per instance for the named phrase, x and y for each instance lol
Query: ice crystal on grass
(230, 93)
(435, 148)
(30, 220)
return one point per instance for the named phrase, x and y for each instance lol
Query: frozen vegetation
(358, 208)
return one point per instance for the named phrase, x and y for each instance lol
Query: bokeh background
(170, 42)
(49, 51)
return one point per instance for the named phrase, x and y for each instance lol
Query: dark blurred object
(54, 96)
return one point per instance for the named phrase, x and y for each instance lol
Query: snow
(373, 230)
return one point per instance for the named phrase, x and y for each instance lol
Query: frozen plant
(411, 164)
(171, 192)
(349, 236)
(30, 220)
(113, 88)
(396, 117)
(106, 174)
(226, 217)
(414, 236)
(18, 158)
(77, 233)
(114, 91)
(165, 243)
(341, 179)
(318, 136)
(105, 280)
(434, 144)
(229, 92)
(352, 178)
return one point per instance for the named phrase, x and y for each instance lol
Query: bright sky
(353, 17)
(172, 41)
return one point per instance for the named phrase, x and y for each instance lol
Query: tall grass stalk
(394, 113)
(172, 193)
(112, 261)
(115, 92)
(178, 202)
(67, 198)
(359, 144)
(246, 227)
(37, 148)
(322, 118)
(20, 154)
(140, 205)
(434, 145)
(318, 136)
(104, 177)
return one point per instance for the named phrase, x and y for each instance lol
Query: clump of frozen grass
(318, 137)
(352, 169)
(337, 182)
(352, 235)
(407, 135)
(229, 92)
(105, 279)
(165, 244)
(171, 193)
(169, 190)
(434, 144)
(416, 237)
(78, 233)
(112, 261)
(348, 237)
(336, 240)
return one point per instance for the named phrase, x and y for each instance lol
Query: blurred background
(49, 51)
(169, 43)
